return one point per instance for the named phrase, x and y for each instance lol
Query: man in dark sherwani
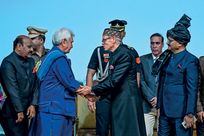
(98, 65)
(127, 117)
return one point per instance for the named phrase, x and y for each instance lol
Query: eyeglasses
(157, 43)
(105, 39)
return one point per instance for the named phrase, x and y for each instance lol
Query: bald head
(22, 45)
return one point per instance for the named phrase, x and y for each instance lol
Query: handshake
(85, 91)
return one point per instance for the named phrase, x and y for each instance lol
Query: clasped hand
(85, 91)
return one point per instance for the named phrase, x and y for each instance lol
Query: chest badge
(111, 67)
(106, 57)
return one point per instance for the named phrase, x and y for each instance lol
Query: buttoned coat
(127, 113)
(20, 85)
(178, 85)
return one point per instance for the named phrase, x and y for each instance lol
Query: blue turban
(180, 32)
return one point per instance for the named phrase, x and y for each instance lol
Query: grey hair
(61, 34)
(111, 32)
(118, 40)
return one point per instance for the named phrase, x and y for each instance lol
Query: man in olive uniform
(38, 38)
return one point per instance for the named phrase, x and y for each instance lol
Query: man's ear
(19, 45)
(64, 42)
(41, 40)
(124, 33)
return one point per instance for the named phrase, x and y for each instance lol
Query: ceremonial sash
(47, 62)
(101, 74)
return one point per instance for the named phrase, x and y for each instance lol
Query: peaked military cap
(118, 24)
(34, 31)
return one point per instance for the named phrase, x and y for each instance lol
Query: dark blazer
(148, 82)
(200, 102)
(178, 85)
(19, 83)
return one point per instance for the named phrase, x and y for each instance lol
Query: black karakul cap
(180, 32)
(117, 24)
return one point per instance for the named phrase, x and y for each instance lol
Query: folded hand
(153, 102)
(91, 106)
(20, 117)
(31, 111)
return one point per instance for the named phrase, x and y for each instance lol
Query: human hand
(189, 121)
(91, 106)
(153, 102)
(83, 90)
(200, 116)
(20, 117)
(91, 97)
(31, 112)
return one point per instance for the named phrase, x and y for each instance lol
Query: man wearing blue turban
(178, 84)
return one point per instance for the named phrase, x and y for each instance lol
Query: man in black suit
(148, 82)
(19, 83)
(200, 101)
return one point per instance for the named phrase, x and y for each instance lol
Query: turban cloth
(180, 32)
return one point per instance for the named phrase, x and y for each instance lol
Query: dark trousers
(11, 128)
(200, 128)
(103, 117)
(173, 127)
